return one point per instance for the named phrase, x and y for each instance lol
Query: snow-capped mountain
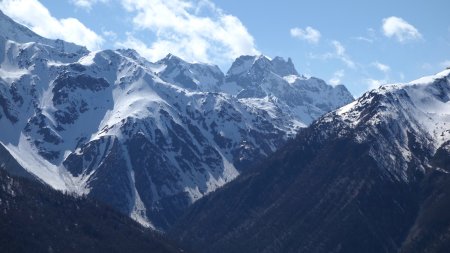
(21, 34)
(371, 176)
(146, 138)
(257, 80)
(409, 121)
(191, 76)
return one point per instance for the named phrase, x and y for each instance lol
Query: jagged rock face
(283, 68)
(192, 76)
(161, 151)
(371, 176)
(257, 79)
(147, 138)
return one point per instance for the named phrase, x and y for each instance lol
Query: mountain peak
(16, 32)
(192, 76)
(11, 30)
(245, 63)
(419, 108)
(172, 58)
(429, 79)
(278, 65)
(283, 67)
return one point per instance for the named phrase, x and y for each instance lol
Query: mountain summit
(21, 34)
(257, 79)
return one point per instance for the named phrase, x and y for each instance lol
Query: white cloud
(341, 54)
(37, 17)
(110, 34)
(195, 30)
(381, 67)
(365, 39)
(374, 83)
(309, 34)
(86, 4)
(400, 29)
(337, 77)
(370, 36)
(155, 52)
(340, 50)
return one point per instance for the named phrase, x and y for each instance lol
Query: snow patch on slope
(26, 155)
(406, 119)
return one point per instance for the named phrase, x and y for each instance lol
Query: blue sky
(361, 44)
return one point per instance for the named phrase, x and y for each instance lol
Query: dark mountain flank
(37, 218)
(372, 176)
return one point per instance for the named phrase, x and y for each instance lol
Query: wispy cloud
(337, 77)
(195, 30)
(362, 38)
(138, 45)
(374, 83)
(381, 67)
(369, 37)
(339, 53)
(435, 66)
(309, 34)
(38, 18)
(86, 4)
(400, 29)
(111, 35)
